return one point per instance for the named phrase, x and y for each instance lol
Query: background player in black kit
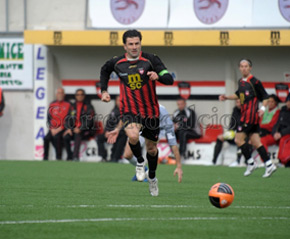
(250, 92)
(139, 108)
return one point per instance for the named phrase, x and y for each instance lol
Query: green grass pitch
(60, 200)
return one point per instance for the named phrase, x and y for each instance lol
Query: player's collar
(133, 59)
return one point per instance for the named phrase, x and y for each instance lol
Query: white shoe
(153, 187)
(269, 171)
(234, 164)
(250, 169)
(140, 171)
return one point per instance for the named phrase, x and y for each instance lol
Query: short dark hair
(82, 90)
(246, 59)
(131, 33)
(275, 98)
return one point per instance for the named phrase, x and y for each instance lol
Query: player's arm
(160, 72)
(171, 139)
(178, 169)
(106, 71)
(262, 96)
(228, 97)
(113, 135)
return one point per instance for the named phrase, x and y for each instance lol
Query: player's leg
(256, 142)
(67, 139)
(246, 149)
(77, 145)
(128, 155)
(152, 158)
(118, 146)
(58, 143)
(132, 130)
(217, 148)
(101, 139)
(46, 141)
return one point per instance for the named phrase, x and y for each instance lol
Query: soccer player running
(250, 92)
(139, 108)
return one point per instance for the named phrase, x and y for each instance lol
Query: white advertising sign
(128, 13)
(15, 64)
(178, 14)
(40, 98)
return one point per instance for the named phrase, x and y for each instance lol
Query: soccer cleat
(134, 179)
(269, 171)
(250, 169)
(153, 187)
(140, 171)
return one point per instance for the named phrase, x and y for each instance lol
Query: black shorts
(150, 126)
(248, 128)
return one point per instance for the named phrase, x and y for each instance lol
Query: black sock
(217, 150)
(263, 154)
(239, 155)
(137, 151)
(152, 163)
(247, 151)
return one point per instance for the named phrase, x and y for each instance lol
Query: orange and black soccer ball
(221, 195)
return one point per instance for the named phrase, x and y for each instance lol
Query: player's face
(181, 104)
(60, 95)
(133, 46)
(271, 103)
(80, 96)
(245, 68)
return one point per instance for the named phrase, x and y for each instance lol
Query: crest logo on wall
(127, 11)
(210, 11)
(284, 6)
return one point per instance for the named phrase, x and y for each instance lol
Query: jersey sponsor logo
(127, 11)
(210, 11)
(132, 66)
(134, 81)
(284, 6)
(242, 98)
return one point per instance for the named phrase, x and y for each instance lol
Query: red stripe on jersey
(140, 103)
(248, 113)
(154, 98)
(122, 60)
(123, 96)
(145, 90)
(131, 100)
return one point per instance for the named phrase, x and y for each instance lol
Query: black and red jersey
(57, 113)
(250, 92)
(137, 92)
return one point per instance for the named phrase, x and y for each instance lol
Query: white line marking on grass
(194, 206)
(141, 206)
(140, 219)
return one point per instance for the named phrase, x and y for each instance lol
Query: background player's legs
(118, 147)
(46, 140)
(58, 143)
(67, 138)
(218, 148)
(77, 141)
(152, 157)
(101, 139)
